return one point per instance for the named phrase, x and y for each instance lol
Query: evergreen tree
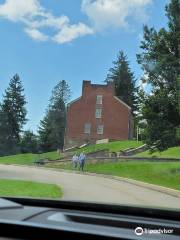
(44, 132)
(160, 60)
(57, 116)
(13, 116)
(7, 143)
(29, 142)
(178, 106)
(52, 127)
(61, 92)
(124, 80)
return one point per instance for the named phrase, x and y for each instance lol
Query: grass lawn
(28, 158)
(29, 189)
(165, 174)
(173, 152)
(111, 146)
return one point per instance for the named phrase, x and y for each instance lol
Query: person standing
(82, 160)
(75, 161)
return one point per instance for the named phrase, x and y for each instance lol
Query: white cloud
(102, 14)
(113, 13)
(17, 10)
(69, 33)
(36, 34)
(37, 19)
(50, 21)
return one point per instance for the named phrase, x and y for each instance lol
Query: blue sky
(48, 40)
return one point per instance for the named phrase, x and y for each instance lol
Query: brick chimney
(111, 87)
(86, 86)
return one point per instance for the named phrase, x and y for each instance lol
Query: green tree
(178, 106)
(178, 94)
(160, 60)
(44, 132)
(61, 92)
(29, 142)
(57, 116)
(52, 127)
(13, 116)
(161, 116)
(7, 143)
(124, 80)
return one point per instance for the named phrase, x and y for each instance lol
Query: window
(100, 129)
(98, 112)
(87, 128)
(99, 99)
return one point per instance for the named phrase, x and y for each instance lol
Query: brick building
(97, 114)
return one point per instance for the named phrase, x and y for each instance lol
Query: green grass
(111, 146)
(28, 158)
(29, 189)
(173, 152)
(50, 155)
(165, 174)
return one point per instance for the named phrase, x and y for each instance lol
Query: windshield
(90, 101)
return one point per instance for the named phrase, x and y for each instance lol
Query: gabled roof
(119, 100)
(75, 100)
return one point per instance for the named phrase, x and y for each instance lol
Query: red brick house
(97, 114)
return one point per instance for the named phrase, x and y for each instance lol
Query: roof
(75, 100)
(99, 85)
(119, 100)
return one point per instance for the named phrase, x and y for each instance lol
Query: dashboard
(46, 219)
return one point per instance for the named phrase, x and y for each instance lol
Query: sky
(45, 41)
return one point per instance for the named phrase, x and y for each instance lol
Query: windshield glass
(90, 101)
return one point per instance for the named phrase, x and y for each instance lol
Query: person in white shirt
(75, 161)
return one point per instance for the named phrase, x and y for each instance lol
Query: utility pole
(137, 133)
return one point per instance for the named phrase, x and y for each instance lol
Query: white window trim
(98, 113)
(100, 129)
(99, 99)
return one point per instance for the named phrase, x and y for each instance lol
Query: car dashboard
(47, 219)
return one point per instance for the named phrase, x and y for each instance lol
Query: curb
(161, 189)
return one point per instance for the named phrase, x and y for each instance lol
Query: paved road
(92, 188)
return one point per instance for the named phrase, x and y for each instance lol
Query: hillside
(165, 174)
(115, 146)
(173, 152)
(28, 158)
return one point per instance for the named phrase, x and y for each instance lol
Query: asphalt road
(92, 188)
